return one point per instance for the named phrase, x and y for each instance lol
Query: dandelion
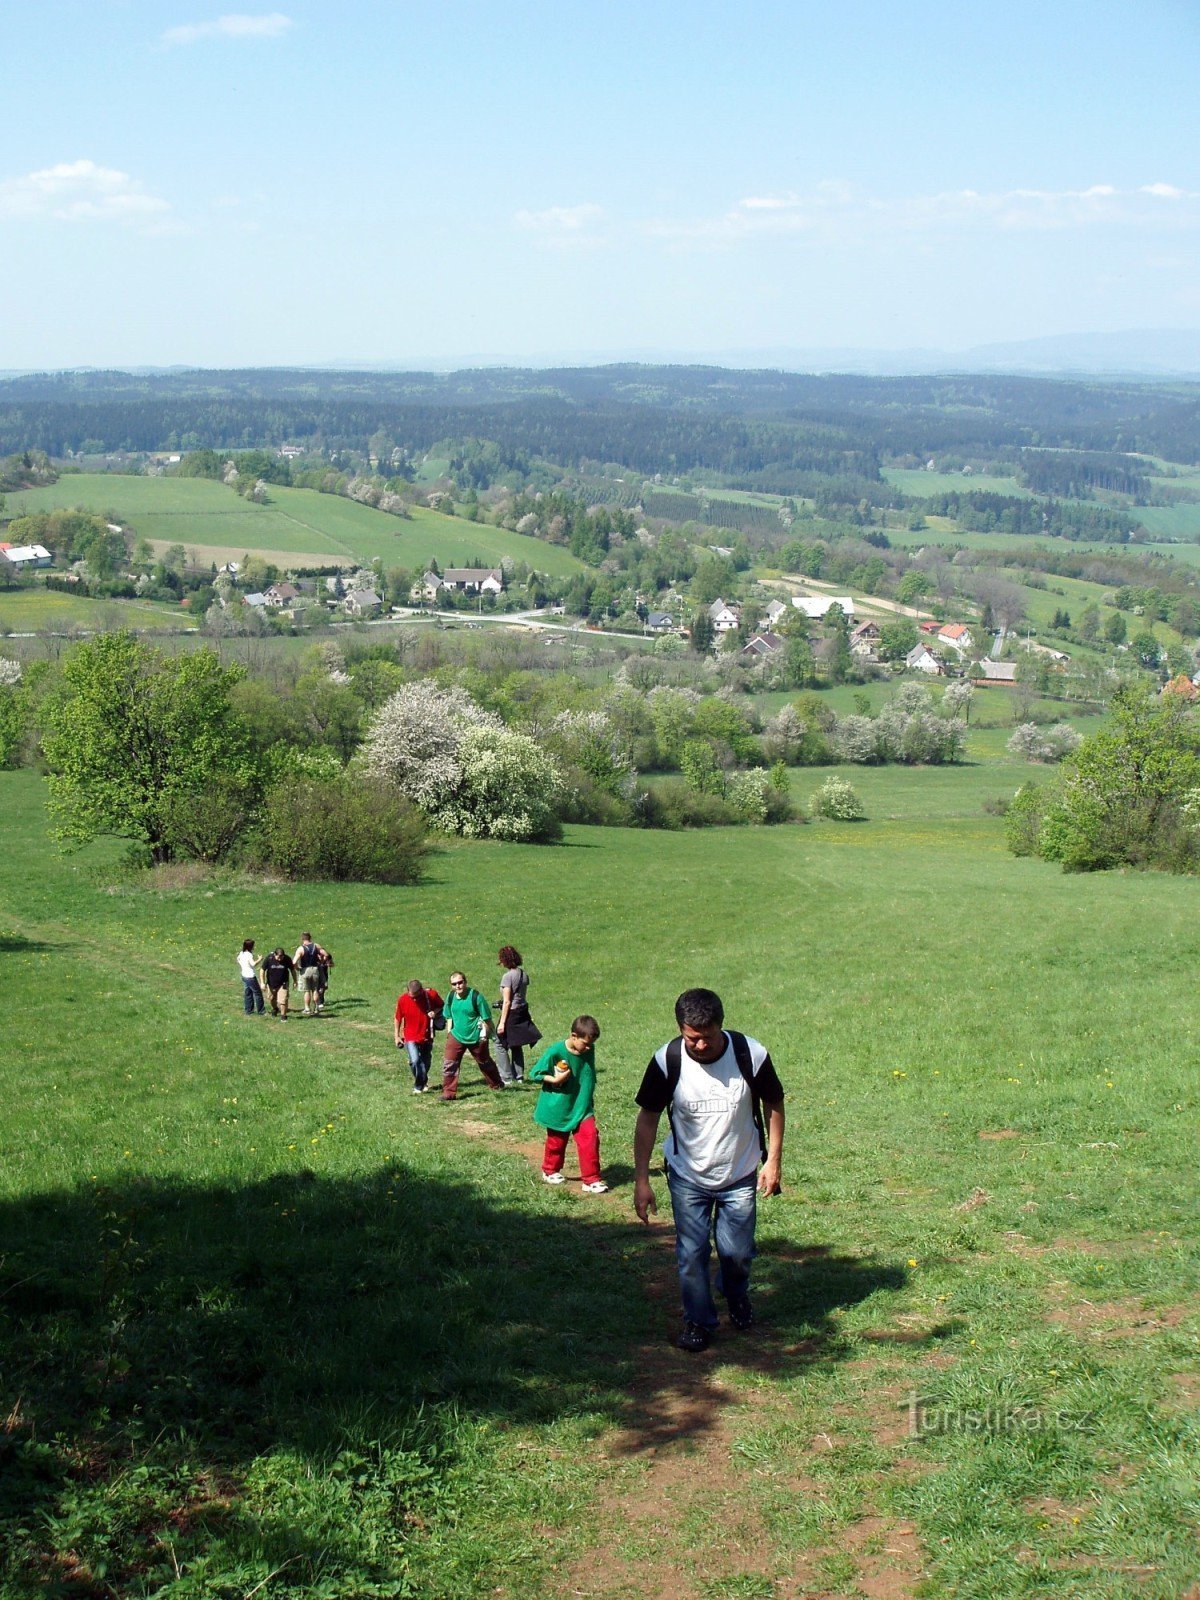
(912, 1261)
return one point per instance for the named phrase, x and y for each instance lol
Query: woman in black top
(516, 1028)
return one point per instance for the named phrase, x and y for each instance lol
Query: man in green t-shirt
(566, 1105)
(468, 1020)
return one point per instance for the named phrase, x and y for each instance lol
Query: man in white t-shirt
(715, 1087)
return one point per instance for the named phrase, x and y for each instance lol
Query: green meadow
(209, 518)
(273, 1326)
(31, 609)
(916, 481)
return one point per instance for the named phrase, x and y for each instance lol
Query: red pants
(587, 1144)
(482, 1056)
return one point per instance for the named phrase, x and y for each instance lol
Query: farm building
(922, 659)
(817, 606)
(27, 556)
(996, 672)
(474, 580)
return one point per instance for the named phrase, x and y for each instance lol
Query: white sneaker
(599, 1187)
(553, 1177)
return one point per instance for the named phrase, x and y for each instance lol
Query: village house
(474, 580)
(428, 587)
(774, 612)
(24, 557)
(361, 603)
(816, 606)
(929, 627)
(922, 659)
(995, 672)
(957, 635)
(281, 594)
(723, 618)
(760, 645)
(659, 622)
(864, 640)
(256, 600)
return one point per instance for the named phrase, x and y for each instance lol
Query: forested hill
(770, 429)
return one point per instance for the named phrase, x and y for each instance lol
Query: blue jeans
(252, 997)
(699, 1214)
(419, 1058)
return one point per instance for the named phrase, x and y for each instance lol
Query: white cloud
(235, 26)
(833, 209)
(79, 191)
(560, 219)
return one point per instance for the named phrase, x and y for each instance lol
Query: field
(916, 481)
(276, 1327)
(297, 524)
(31, 609)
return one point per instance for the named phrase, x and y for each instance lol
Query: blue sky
(402, 182)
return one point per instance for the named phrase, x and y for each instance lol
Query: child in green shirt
(566, 1105)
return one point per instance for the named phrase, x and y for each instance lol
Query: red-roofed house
(956, 635)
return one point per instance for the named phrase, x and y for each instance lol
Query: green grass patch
(31, 609)
(919, 483)
(270, 1320)
(208, 517)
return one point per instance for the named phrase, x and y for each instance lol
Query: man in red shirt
(416, 1010)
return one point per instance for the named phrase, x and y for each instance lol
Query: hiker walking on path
(418, 1011)
(308, 965)
(566, 1105)
(516, 1028)
(279, 973)
(252, 994)
(324, 963)
(468, 1021)
(714, 1086)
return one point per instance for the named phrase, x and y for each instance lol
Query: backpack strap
(741, 1054)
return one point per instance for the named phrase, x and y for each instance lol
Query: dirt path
(683, 1506)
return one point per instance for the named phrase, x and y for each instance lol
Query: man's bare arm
(644, 1135)
(769, 1177)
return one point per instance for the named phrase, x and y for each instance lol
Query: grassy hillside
(27, 610)
(916, 481)
(270, 1320)
(300, 523)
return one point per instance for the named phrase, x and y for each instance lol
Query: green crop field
(273, 1326)
(916, 481)
(209, 518)
(30, 609)
(1180, 521)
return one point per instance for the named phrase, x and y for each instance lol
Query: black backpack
(741, 1053)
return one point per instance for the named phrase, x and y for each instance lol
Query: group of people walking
(272, 978)
(719, 1088)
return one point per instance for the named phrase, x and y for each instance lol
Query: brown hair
(416, 987)
(509, 956)
(586, 1027)
(247, 944)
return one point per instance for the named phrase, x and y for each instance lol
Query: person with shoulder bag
(516, 1027)
(468, 1023)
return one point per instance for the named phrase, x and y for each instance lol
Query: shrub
(674, 804)
(1126, 797)
(839, 801)
(1032, 743)
(350, 829)
(414, 739)
(507, 788)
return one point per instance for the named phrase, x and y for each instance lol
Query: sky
(515, 180)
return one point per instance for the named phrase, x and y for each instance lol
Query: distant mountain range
(1135, 353)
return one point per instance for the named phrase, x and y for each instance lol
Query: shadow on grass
(17, 944)
(188, 1334)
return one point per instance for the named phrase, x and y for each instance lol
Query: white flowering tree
(466, 771)
(414, 740)
(507, 788)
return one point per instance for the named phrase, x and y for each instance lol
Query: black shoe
(741, 1312)
(693, 1338)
